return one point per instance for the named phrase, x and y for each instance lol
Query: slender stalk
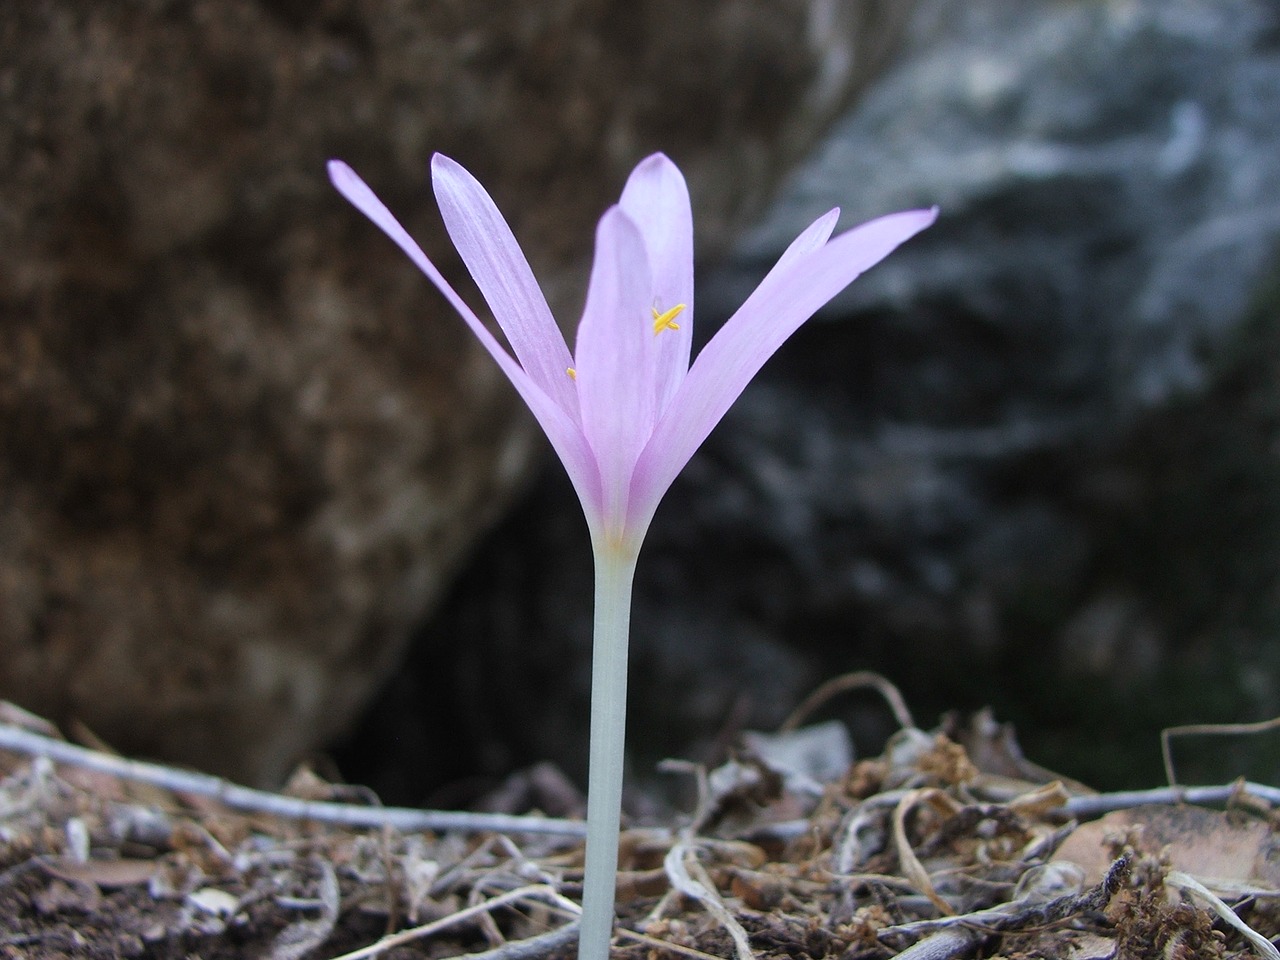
(615, 570)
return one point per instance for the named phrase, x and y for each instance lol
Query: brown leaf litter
(949, 844)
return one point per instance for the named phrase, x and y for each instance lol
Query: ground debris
(949, 844)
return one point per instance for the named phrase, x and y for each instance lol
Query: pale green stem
(615, 570)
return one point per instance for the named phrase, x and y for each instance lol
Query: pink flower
(625, 411)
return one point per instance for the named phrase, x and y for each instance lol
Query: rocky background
(1031, 461)
(243, 446)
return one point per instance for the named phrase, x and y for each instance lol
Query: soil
(950, 839)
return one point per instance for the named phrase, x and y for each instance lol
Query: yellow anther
(573, 374)
(666, 321)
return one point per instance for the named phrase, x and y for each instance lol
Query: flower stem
(615, 571)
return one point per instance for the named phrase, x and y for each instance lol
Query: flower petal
(810, 239)
(491, 253)
(657, 199)
(566, 437)
(740, 348)
(615, 355)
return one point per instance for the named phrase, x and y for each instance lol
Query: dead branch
(246, 799)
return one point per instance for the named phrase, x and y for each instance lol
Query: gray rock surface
(1032, 460)
(243, 444)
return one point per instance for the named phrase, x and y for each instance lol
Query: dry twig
(532, 892)
(1189, 884)
(681, 864)
(1094, 805)
(1027, 911)
(858, 680)
(1207, 729)
(246, 799)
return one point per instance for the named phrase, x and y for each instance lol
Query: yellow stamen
(666, 321)
(573, 374)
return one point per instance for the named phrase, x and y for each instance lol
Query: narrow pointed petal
(810, 239)
(566, 438)
(615, 354)
(657, 199)
(498, 265)
(740, 348)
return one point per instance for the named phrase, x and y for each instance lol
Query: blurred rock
(1033, 459)
(244, 444)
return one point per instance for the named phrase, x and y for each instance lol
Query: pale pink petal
(566, 438)
(657, 199)
(491, 253)
(740, 348)
(810, 239)
(615, 354)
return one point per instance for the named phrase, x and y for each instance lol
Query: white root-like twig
(1097, 804)
(246, 799)
(1189, 884)
(19, 740)
(538, 891)
(1082, 807)
(681, 864)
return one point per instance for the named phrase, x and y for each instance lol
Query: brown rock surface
(243, 444)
